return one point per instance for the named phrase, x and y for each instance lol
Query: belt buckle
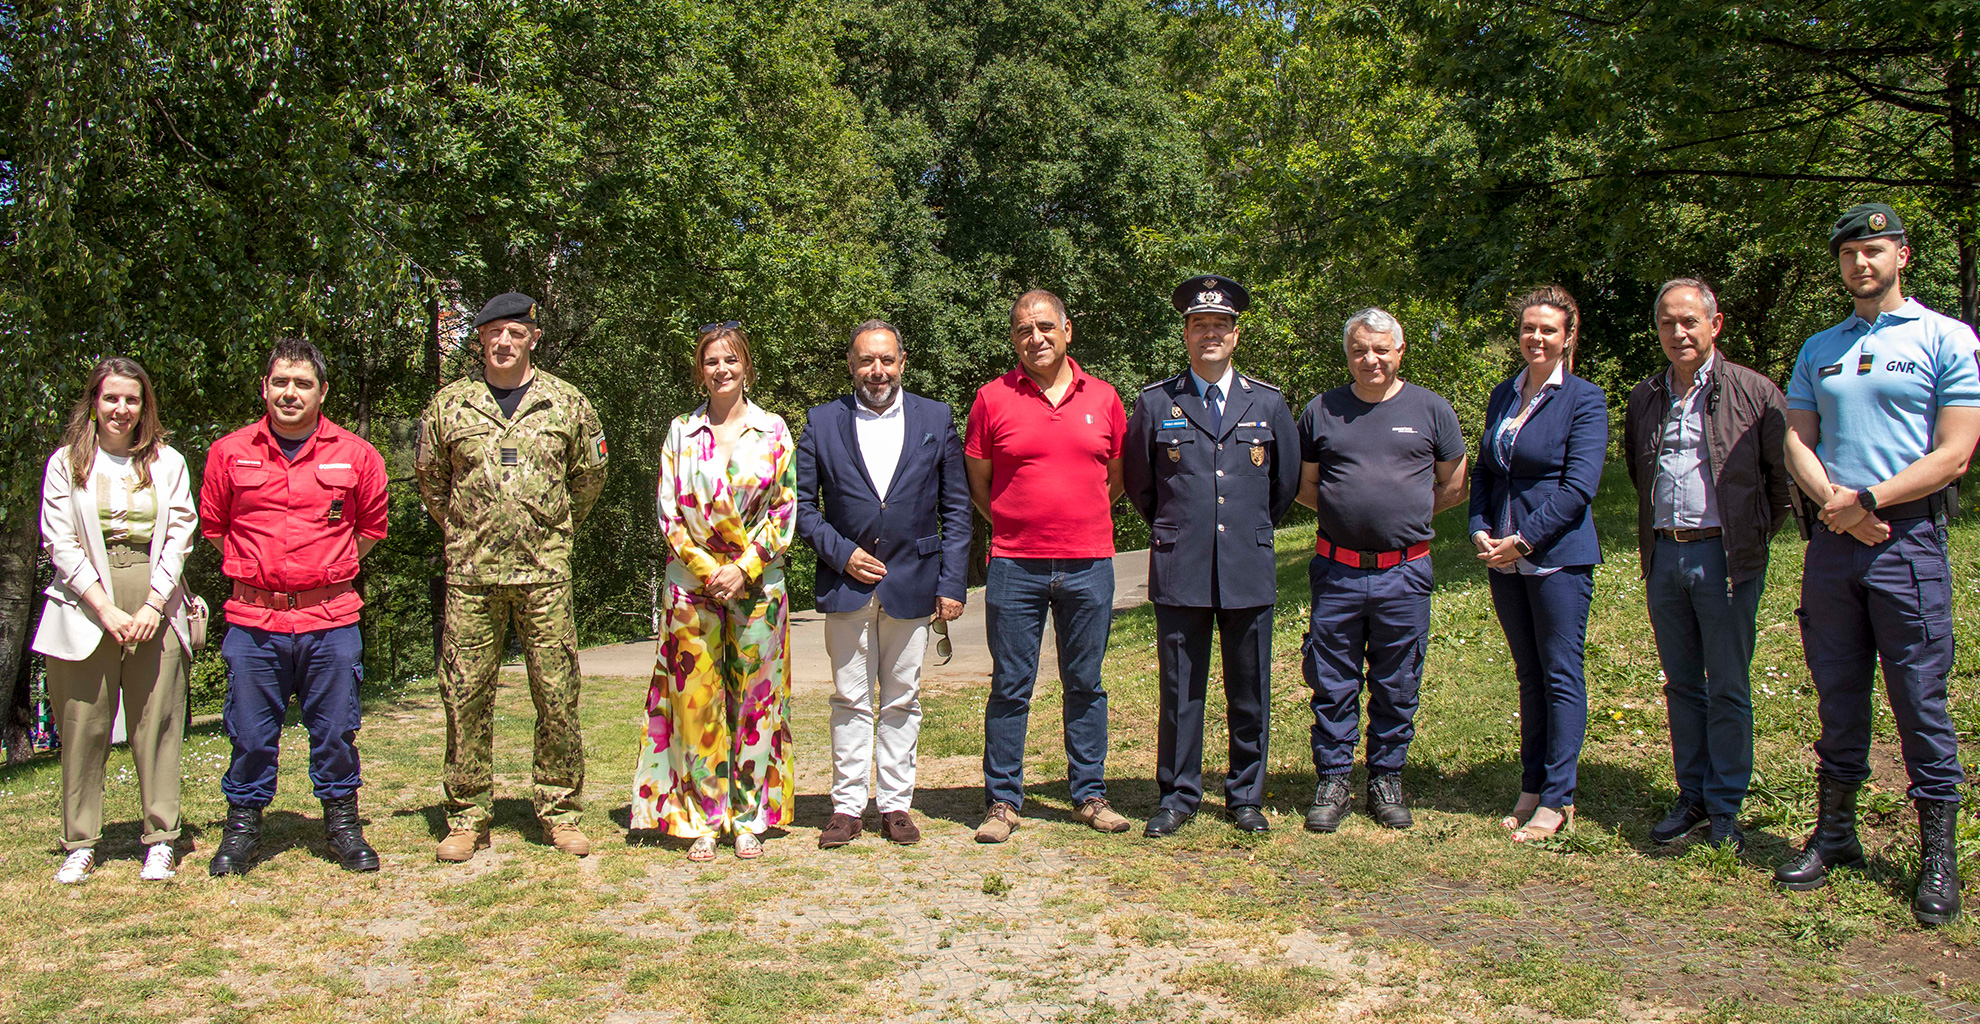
(292, 599)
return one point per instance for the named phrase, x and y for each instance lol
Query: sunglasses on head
(726, 325)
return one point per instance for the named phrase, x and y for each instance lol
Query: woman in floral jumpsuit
(717, 757)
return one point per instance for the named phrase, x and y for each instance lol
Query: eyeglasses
(726, 325)
(943, 649)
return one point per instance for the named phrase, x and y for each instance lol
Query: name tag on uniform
(1166, 424)
(1829, 371)
(252, 463)
(508, 456)
(336, 465)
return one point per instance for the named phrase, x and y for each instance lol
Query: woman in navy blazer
(1532, 488)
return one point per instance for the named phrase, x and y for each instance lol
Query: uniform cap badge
(1877, 222)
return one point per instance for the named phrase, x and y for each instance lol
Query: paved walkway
(811, 670)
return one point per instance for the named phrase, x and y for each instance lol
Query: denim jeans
(1368, 631)
(1079, 594)
(321, 670)
(1705, 630)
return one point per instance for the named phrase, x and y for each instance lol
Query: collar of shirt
(1911, 310)
(326, 432)
(1702, 379)
(754, 418)
(1556, 379)
(893, 411)
(1223, 385)
(1023, 379)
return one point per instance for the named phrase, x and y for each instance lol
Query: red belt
(1370, 559)
(281, 600)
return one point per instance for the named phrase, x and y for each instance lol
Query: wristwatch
(1520, 545)
(1867, 500)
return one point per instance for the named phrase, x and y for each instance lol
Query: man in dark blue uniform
(1212, 462)
(1883, 414)
(1379, 458)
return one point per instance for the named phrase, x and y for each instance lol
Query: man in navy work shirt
(1379, 457)
(1211, 462)
(1883, 414)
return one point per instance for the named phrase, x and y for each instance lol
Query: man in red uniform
(292, 502)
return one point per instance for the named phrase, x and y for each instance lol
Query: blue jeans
(321, 670)
(1368, 631)
(1545, 619)
(1891, 603)
(1079, 593)
(1705, 630)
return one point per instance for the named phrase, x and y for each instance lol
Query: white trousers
(874, 653)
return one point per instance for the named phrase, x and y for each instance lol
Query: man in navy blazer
(884, 500)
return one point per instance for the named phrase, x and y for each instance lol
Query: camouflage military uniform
(508, 494)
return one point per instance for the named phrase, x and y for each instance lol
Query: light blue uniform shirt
(1878, 388)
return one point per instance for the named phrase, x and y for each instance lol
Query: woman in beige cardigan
(117, 520)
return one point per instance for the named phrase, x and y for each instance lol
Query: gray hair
(1377, 321)
(1704, 291)
(876, 325)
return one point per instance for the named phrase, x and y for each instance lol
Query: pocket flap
(1928, 568)
(1164, 533)
(336, 476)
(248, 476)
(1266, 536)
(928, 545)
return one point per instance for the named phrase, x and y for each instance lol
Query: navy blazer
(921, 531)
(1551, 478)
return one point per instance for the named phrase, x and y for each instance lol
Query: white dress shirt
(881, 436)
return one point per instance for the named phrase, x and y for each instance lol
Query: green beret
(507, 306)
(1864, 220)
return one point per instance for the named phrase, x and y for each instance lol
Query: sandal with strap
(703, 850)
(1530, 832)
(748, 847)
(1522, 810)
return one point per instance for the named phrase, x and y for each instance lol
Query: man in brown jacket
(1705, 442)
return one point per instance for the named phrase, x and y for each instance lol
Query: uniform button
(1220, 499)
(1220, 527)
(1220, 446)
(1220, 472)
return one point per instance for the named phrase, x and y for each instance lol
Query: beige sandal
(748, 847)
(1529, 832)
(703, 850)
(1522, 810)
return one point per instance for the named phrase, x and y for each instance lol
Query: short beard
(880, 401)
(1881, 288)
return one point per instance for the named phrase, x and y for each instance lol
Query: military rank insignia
(1864, 362)
(509, 457)
(1257, 454)
(336, 510)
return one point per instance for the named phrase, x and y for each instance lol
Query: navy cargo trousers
(1888, 603)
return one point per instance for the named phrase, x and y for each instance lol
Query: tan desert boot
(566, 837)
(461, 843)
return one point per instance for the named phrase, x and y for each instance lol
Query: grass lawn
(1448, 921)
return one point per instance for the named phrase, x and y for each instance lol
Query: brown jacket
(1746, 445)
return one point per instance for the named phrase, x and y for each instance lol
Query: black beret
(1864, 220)
(507, 306)
(1210, 294)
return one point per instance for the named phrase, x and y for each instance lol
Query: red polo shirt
(1048, 465)
(289, 527)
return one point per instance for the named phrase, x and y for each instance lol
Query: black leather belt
(1923, 508)
(1689, 536)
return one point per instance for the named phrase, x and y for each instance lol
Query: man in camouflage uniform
(509, 466)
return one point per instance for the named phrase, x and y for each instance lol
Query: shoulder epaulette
(1163, 383)
(1260, 383)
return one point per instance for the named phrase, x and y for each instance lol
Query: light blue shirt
(1223, 389)
(1507, 439)
(1683, 498)
(1878, 388)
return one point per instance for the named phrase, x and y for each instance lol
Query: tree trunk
(1962, 120)
(17, 565)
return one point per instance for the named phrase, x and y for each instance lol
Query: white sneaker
(159, 862)
(76, 867)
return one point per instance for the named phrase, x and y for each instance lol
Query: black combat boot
(346, 836)
(1833, 843)
(240, 839)
(1385, 801)
(1937, 901)
(1330, 804)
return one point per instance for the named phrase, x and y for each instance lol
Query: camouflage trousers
(477, 621)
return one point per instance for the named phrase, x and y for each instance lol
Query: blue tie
(1213, 400)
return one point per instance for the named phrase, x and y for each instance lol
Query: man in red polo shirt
(292, 502)
(1043, 455)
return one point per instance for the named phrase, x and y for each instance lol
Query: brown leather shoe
(565, 837)
(1096, 812)
(461, 843)
(998, 823)
(899, 828)
(842, 829)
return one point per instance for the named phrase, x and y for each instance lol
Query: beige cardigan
(73, 536)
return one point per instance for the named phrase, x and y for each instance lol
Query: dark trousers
(1545, 619)
(320, 670)
(1705, 630)
(1183, 651)
(1079, 595)
(1380, 619)
(1892, 602)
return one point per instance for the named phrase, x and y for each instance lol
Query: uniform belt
(1370, 559)
(1689, 536)
(1923, 508)
(284, 600)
